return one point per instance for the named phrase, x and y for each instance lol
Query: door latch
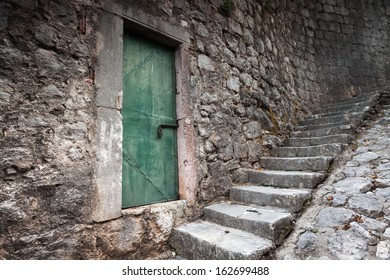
(164, 125)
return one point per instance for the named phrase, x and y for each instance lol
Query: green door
(149, 123)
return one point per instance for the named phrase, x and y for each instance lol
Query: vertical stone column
(188, 179)
(108, 165)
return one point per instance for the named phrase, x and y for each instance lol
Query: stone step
(342, 129)
(289, 199)
(354, 100)
(313, 141)
(363, 110)
(296, 163)
(266, 223)
(209, 241)
(332, 119)
(285, 179)
(309, 151)
(342, 108)
(354, 123)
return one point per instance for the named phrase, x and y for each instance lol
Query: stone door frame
(107, 198)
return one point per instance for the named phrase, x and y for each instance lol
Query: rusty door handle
(164, 125)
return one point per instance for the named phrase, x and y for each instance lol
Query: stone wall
(47, 115)
(351, 42)
(251, 80)
(255, 68)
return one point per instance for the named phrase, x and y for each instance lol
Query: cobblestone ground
(349, 217)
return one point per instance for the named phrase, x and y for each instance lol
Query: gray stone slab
(266, 223)
(312, 141)
(386, 234)
(308, 241)
(152, 24)
(289, 199)
(366, 204)
(383, 193)
(373, 225)
(309, 151)
(335, 199)
(345, 245)
(365, 157)
(333, 217)
(296, 164)
(205, 240)
(383, 250)
(21, 158)
(108, 166)
(356, 171)
(357, 109)
(109, 62)
(350, 117)
(309, 127)
(10, 212)
(383, 167)
(285, 179)
(344, 107)
(369, 96)
(352, 185)
(354, 100)
(342, 129)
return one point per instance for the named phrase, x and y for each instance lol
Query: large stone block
(205, 240)
(296, 164)
(309, 151)
(269, 224)
(22, 158)
(252, 130)
(287, 179)
(334, 217)
(332, 119)
(366, 204)
(339, 129)
(289, 199)
(313, 141)
(109, 63)
(108, 166)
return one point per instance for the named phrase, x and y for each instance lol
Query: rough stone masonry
(253, 71)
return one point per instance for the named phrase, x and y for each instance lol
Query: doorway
(149, 164)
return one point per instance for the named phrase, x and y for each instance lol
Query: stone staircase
(261, 212)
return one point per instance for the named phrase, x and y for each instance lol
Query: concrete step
(296, 163)
(289, 199)
(210, 241)
(309, 151)
(354, 123)
(342, 129)
(266, 223)
(351, 117)
(285, 179)
(313, 141)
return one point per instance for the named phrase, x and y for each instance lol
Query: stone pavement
(349, 216)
